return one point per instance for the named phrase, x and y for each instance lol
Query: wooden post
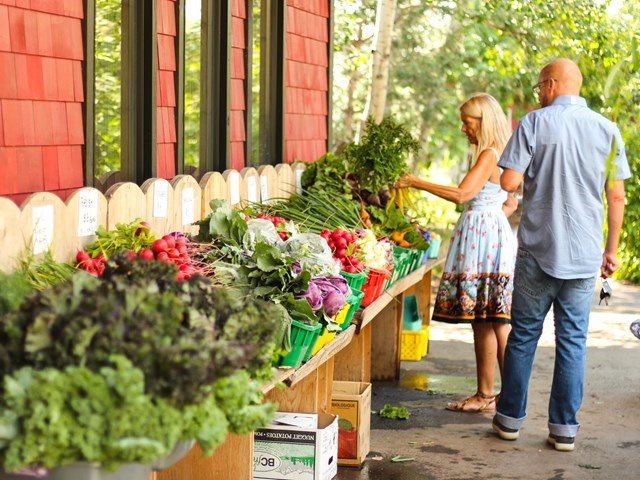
(386, 340)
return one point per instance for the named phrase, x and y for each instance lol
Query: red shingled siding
(237, 127)
(306, 81)
(165, 91)
(41, 95)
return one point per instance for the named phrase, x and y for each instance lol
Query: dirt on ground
(438, 444)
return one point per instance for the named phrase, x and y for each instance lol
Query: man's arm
(615, 214)
(510, 180)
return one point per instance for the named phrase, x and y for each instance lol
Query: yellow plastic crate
(414, 344)
(323, 339)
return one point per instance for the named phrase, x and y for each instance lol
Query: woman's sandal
(488, 404)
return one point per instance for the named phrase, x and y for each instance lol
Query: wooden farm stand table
(368, 350)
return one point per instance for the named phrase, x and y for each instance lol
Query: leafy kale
(52, 417)
(14, 288)
(182, 335)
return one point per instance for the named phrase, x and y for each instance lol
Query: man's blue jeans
(534, 294)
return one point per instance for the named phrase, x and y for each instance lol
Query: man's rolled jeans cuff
(563, 430)
(510, 422)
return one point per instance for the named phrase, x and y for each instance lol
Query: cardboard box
(297, 446)
(351, 401)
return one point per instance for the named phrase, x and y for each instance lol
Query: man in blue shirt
(566, 156)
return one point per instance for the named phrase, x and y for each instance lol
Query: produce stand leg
(386, 341)
(312, 394)
(232, 460)
(353, 363)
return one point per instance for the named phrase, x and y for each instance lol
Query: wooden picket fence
(43, 222)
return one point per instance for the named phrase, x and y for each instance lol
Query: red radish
(181, 247)
(82, 256)
(146, 254)
(143, 228)
(171, 241)
(162, 256)
(160, 245)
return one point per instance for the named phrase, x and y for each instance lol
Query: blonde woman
(477, 281)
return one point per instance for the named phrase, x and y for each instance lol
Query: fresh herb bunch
(45, 271)
(379, 160)
(326, 174)
(182, 335)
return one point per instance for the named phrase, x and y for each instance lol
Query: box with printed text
(297, 446)
(351, 402)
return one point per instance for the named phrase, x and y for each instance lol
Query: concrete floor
(462, 446)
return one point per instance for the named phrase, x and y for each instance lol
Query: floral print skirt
(477, 282)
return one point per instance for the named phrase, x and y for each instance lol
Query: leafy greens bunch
(53, 417)
(182, 335)
(380, 158)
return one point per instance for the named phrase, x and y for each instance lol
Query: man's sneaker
(562, 444)
(503, 432)
(635, 328)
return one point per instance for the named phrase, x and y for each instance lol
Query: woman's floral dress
(477, 282)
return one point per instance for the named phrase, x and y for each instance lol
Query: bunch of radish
(278, 222)
(94, 266)
(343, 245)
(172, 248)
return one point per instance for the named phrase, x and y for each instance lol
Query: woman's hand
(406, 181)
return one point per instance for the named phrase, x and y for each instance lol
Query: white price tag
(42, 228)
(264, 188)
(234, 189)
(252, 192)
(299, 181)
(188, 210)
(161, 199)
(88, 213)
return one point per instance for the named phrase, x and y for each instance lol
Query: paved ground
(461, 446)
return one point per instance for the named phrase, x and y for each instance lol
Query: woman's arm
(470, 185)
(510, 205)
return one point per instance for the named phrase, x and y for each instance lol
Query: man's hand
(609, 265)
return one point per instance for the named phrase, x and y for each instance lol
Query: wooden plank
(286, 181)
(303, 397)
(233, 180)
(213, 186)
(12, 241)
(187, 203)
(159, 204)
(250, 185)
(268, 182)
(386, 340)
(353, 363)
(72, 220)
(125, 203)
(48, 208)
(231, 460)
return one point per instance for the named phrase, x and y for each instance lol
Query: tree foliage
(443, 51)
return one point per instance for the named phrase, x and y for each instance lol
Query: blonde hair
(494, 126)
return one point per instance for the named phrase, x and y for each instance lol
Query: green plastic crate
(303, 339)
(354, 300)
(355, 280)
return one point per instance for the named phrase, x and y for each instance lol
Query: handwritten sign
(234, 189)
(264, 188)
(87, 213)
(42, 228)
(188, 209)
(252, 189)
(160, 199)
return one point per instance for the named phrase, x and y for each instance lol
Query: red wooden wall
(306, 79)
(237, 128)
(165, 92)
(41, 95)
